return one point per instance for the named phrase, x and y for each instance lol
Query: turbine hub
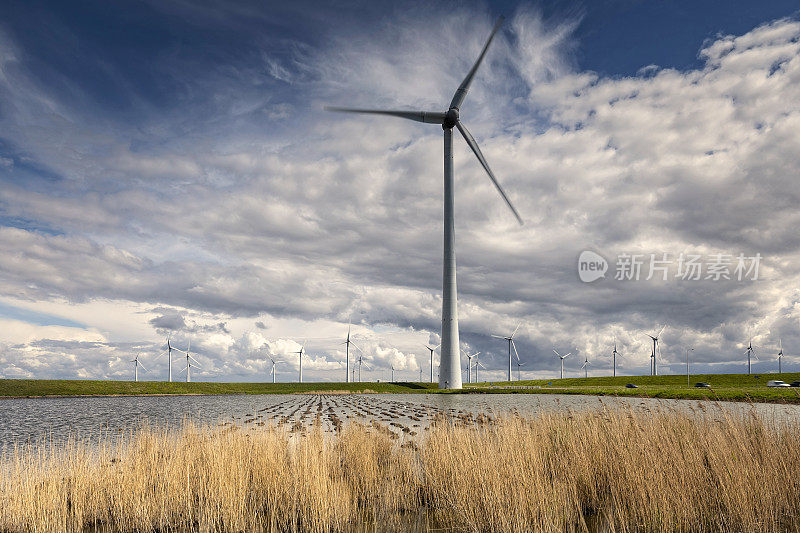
(450, 118)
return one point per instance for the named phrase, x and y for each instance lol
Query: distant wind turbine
(300, 359)
(136, 364)
(511, 344)
(273, 369)
(433, 349)
(478, 364)
(750, 352)
(469, 365)
(189, 360)
(653, 362)
(450, 371)
(360, 362)
(585, 366)
(347, 343)
(169, 351)
(562, 357)
(614, 358)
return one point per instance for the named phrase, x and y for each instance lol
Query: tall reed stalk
(613, 470)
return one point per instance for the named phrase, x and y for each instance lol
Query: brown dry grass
(557, 472)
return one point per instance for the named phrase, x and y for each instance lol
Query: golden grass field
(612, 470)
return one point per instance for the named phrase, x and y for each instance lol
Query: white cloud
(340, 219)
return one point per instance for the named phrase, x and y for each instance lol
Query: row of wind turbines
(191, 362)
(353, 374)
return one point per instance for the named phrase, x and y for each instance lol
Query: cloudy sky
(166, 168)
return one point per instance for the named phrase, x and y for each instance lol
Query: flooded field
(404, 415)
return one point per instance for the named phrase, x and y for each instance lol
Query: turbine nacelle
(450, 119)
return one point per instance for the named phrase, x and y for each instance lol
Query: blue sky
(167, 168)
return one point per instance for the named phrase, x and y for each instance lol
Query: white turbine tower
(360, 362)
(780, 355)
(189, 359)
(273, 369)
(392, 374)
(750, 352)
(614, 358)
(562, 357)
(653, 361)
(136, 364)
(300, 359)
(450, 371)
(432, 349)
(169, 351)
(585, 366)
(347, 344)
(469, 366)
(511, 344)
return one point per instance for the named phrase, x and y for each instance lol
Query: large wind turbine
(510, 345)
(136, 364)
(653, 365)
(450, 371)
(614, 358)
(562, 357)
(585, 366)
(780, 355)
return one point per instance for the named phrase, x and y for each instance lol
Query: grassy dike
(730, 387)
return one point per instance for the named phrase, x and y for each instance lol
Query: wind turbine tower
(169, 351)
(136, 364)
(450, 368)
(585, 366)
(614, 358)
(347, 343)
(432, 350)
(653, 362)
(561, 357)
(469, 365)
(273, 370)
(511, 344)
(750, 352)
(300, 359)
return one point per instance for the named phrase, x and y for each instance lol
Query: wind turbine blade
(661, 331)
(477, 151)
(462, 90)
(428, 117)
(498, 337)
(193, 359)
(570, 353)
(555, 352)
(516, 329)
(515, 350)
(357, 348)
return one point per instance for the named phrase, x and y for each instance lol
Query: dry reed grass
(610, 471)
